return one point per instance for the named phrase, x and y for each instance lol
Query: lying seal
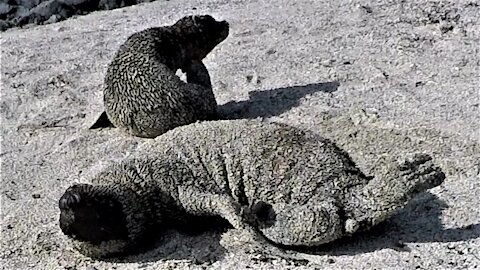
(277, 182)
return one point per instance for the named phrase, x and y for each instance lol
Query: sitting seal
(142, 94)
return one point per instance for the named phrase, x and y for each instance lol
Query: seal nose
(225, 28)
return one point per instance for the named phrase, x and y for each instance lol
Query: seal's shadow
(266, 103)
(418, 222)
(262, 103)
(198, 243)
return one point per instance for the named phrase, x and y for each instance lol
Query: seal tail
(102, 122)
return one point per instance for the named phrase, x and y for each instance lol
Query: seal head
(101, 221)
(203, 33)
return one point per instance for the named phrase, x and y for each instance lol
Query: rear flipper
(390, 191)
(102, 122)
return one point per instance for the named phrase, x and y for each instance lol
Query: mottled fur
(291, 186)
(142, 93)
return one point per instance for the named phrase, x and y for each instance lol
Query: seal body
(143, 96)
(290, 186)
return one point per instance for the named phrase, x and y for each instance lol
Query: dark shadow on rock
(418, 222)
(198, 243)
(272, 102)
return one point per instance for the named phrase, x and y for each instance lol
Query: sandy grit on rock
(382, 80)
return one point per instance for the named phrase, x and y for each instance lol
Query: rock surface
(21, 12)
(382, 80)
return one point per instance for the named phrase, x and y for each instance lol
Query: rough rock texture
(386, 72)
(143, 96)
(293, 186)
(20, 12)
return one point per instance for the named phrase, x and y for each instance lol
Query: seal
(283, 185)
(143, 95)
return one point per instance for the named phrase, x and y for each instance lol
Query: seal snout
(225, 28)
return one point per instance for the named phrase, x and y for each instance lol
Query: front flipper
(199, 90)
(315, 223)
(197, 73)
(200, 203)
